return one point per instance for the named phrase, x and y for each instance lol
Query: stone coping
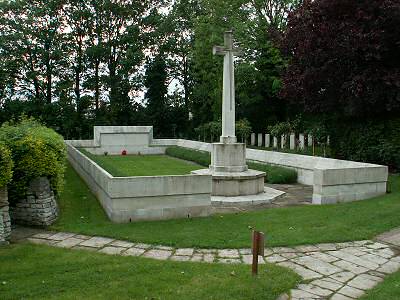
(249, 174)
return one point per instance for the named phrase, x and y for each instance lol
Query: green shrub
(243, 129)
(37, 151)
(200, 157)
(275, 174)
(369, 141)
(6, 165)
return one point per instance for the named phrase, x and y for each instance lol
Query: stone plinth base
(5, 226)
(249, 182)
(267, 197)
(228, 157)
(39, 208)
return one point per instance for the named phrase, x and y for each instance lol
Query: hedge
(376, 141)
(6, 165)
(37, 151)
(275, 174)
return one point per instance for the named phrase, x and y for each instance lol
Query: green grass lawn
(42, 272)
(142, 165)
(388, 289)
(81, 213)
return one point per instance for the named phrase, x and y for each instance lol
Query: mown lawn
(41, 272)
(142, 165)
(81, 213)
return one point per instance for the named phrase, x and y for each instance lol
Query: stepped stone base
(230, 175)
(39, 208)
(249, 182)
(5, 221)
(267, 197)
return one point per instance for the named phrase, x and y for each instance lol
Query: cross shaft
(228, 89)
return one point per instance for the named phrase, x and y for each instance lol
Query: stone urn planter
(5, 222)
(39, 207)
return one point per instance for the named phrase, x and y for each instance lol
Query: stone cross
(228, 89)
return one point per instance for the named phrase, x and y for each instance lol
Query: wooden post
(257, 249)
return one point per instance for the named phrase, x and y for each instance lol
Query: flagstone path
(337, 271)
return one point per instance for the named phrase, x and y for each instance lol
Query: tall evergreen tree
(156, 95)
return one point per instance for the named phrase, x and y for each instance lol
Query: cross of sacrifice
(228, 89)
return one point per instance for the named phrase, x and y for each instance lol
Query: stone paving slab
(133, 252)
(340, 297)
(248, 259)
(275, 258)
(122, 244)
(342, 276)
(180, 258)
(364, 282)
(229, 253)
(184, 251)
(230, 260)
(41, 241)
(337, 271)
(303, 272)
(60, 236)
(317, 265)
(392, 237)
(351, 292)
(96, 242)
(158, 254)
(328, 284)
(315, 290)
(69, 242)
(112, 250)
(197, 258)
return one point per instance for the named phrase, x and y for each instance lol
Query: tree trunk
(48, 72)
(97, 84)
(78, 71)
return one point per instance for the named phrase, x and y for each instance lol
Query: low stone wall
(39, 208)
(333, 180)
(128, 199)
(5, 221)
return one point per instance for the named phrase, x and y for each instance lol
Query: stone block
(292, 141)
(228, 157)
(267, 140)
(283, 141)
(253, 139)
(275, 142)
(301, 141)
(259, 140)
(310, 140)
